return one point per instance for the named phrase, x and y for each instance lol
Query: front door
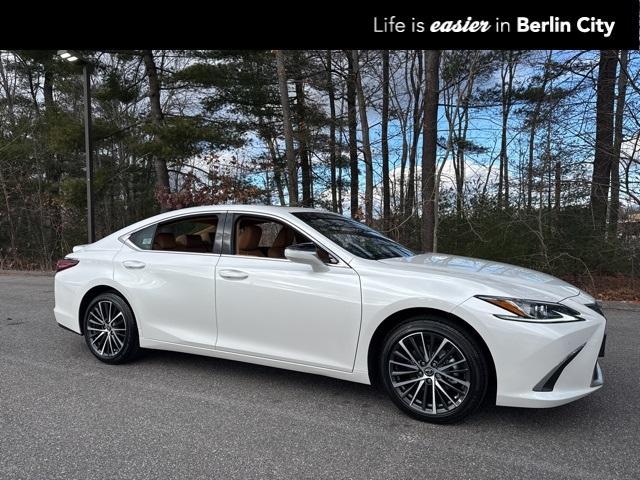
(270, 307)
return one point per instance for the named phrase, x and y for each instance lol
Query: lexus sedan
(316, 292)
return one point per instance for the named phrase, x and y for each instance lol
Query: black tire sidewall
(131, 345)
(479, 375)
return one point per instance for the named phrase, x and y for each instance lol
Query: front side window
(264, 237)
(353, 236)
(191, 234)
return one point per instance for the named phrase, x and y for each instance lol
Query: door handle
(233, 274)
(133, 264)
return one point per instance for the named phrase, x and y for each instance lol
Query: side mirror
(305, 253)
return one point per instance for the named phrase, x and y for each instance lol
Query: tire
(110, 329)
(453, 370)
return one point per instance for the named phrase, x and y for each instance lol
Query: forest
(529, 157)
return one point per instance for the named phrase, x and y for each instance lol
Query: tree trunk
(614, 205)
(506, 86)
(416, 83)
(353, 147)
(535, 116)
(277, 168)
(429, 147)
(605, 95)
(557, 186)
(366, 144)
(305, 164)
(160, 164)
(384, 142)
(332, 132)
(47, 88)
(288, 129)
(532, 138)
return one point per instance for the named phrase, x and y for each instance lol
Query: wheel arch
(399, 317)
(92, 293)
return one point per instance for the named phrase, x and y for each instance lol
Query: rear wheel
(433, 370)
(110, 329)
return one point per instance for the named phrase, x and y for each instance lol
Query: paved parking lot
(65, 415)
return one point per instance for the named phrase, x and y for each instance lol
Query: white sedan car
(316, 292)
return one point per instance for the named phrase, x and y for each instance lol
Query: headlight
(533, 311)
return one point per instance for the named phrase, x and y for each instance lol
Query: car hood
(488, 277)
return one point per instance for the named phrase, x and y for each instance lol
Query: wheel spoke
(453, 402)
(406, 365)
(114, 318)
(424, 348)
(454, 379)
(417, 390)
(442, 344)
(453, 387)
(401, 343)
(460, 370)
(415, 346)
(118, 342)
(403, 373)
(452, 364)
(97, 337)
(407, 382)
(434, 407)
(402, 356)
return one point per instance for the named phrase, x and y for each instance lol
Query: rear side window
(143, 238)
(193, 234)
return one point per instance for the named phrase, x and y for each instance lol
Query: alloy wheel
(106, 329)
(429, 373)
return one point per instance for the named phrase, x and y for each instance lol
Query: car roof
(256, 208)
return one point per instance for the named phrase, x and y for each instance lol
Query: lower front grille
(549, 380)
(604, 341)
(597, 378)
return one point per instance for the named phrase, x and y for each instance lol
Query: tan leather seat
(285, 238)
(191, 243)
(248, 241)
(164, 241)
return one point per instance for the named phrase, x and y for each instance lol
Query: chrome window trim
(133, 246)
(251, 257)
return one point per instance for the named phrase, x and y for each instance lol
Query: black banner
(306, 25)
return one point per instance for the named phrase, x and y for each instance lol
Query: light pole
(73, 57)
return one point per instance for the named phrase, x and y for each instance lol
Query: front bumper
(561, 357)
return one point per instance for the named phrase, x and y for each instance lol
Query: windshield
(353, 236)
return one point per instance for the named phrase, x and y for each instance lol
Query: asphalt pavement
(65, 415)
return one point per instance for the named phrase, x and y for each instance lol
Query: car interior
(262, 237)
(254, 236)
(259, 237)
(191, 235)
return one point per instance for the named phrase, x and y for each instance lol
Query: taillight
(65, 263)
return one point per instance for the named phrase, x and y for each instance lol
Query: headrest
(164, 241)
(249, 237)
(189, 241)
(284, 238)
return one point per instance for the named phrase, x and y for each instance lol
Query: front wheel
(110, 329)
(433, 370)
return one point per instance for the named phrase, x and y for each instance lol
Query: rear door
(168, 271)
